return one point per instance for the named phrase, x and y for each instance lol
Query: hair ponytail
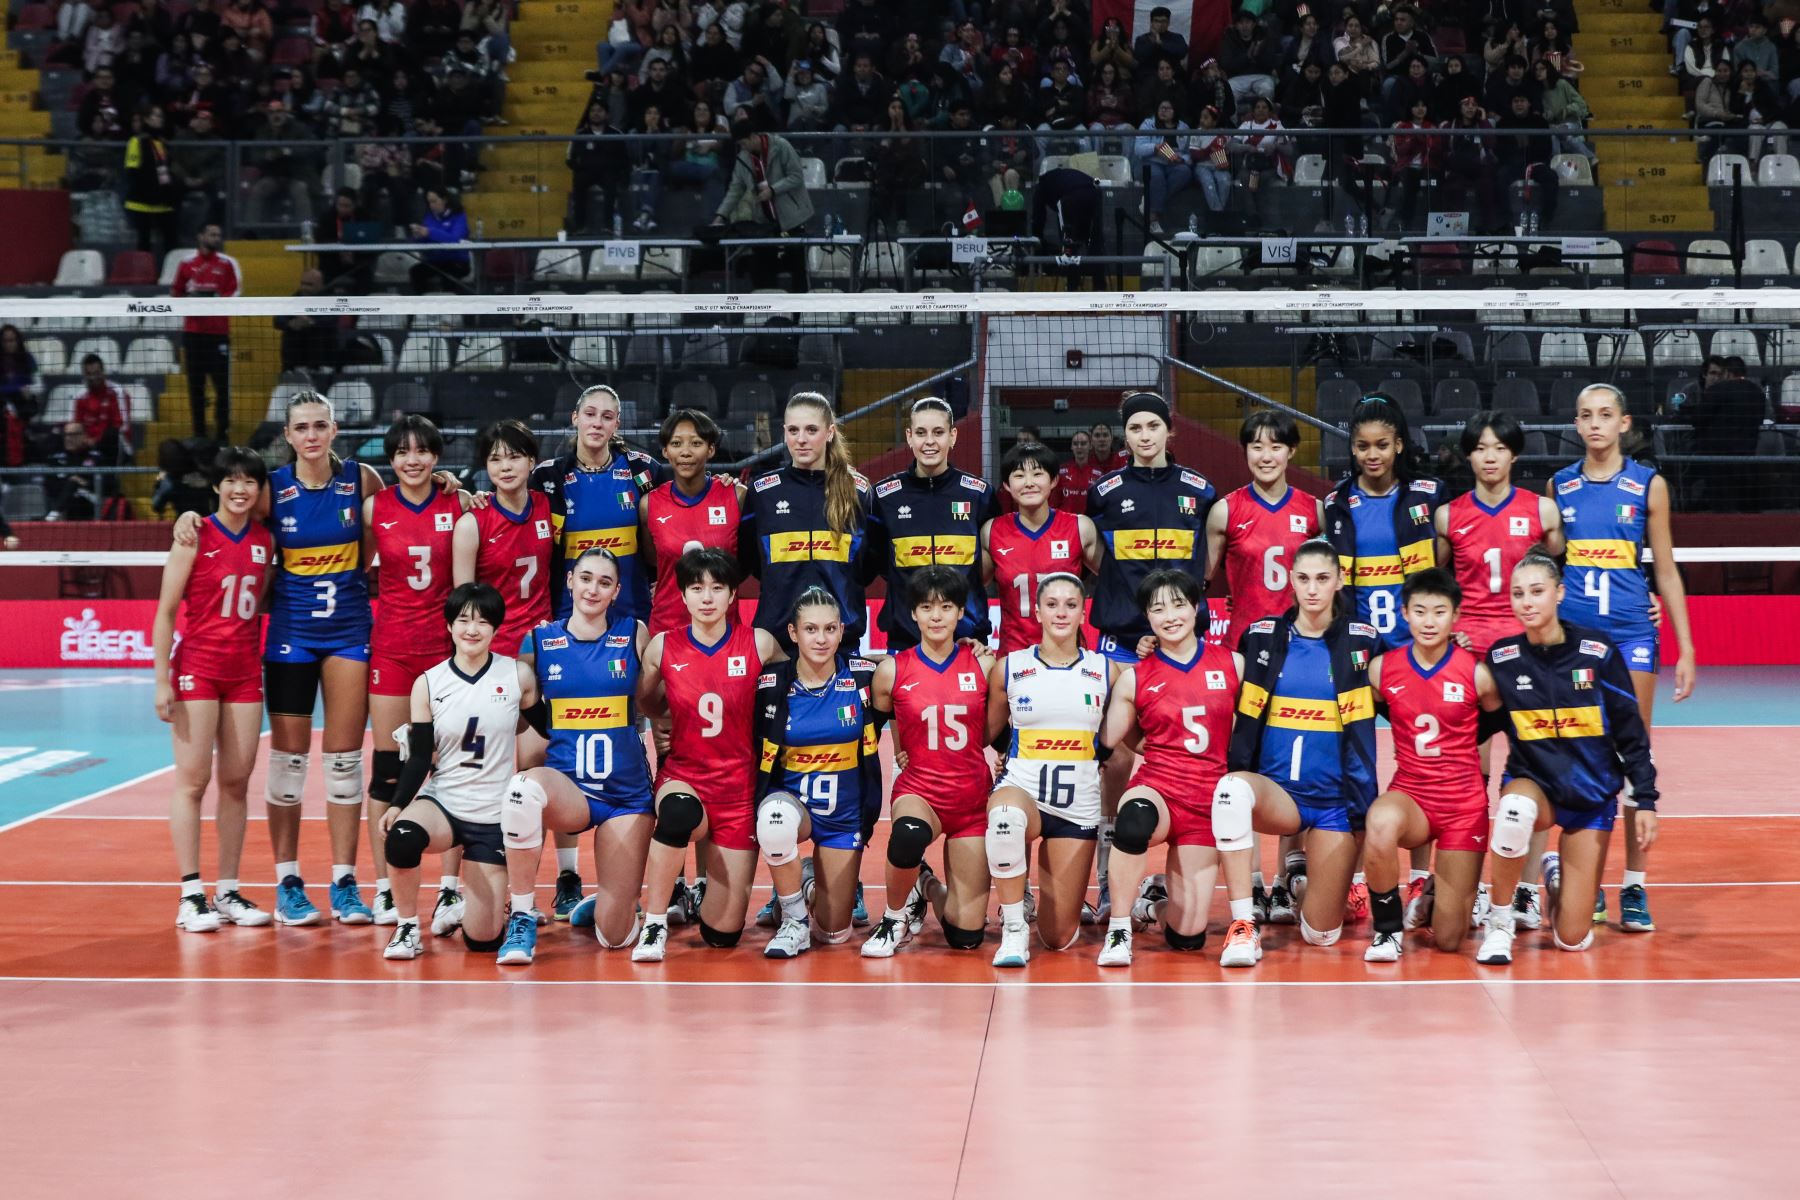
(1379, 408)
(842, 508)
(309, 396)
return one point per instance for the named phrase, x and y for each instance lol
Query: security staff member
(1076, 198)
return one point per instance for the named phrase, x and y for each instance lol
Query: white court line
(760, 887)
(1008, 984)
(67, 804)
(58, 815)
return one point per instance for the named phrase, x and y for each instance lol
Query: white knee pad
(1005, 842)
(1513, 825)
(344, 777)
(1043, 938)
(522, 814)
(778, 828)
(822, 937)
(287, 778)
(1233, 803)
(637, 924)
(1578, 947)
(1315, 938)
(403, 740)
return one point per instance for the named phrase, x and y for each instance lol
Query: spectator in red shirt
(206, 341)
(103, 409)
(1076, 475)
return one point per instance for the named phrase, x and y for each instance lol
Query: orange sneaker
(1243, 945)
(1356, 904)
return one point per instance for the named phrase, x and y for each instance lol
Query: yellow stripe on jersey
(1056, 745)
(839, 756)
(321, 560)
(1606, 553)
(809, 545)
(1149, 545)
(1311, 716)
(869, 739)
(622, 540)
(1356, 705)
(1418, 557)
(1252, 700)
(1537, 724)
(770, 752)
(590, 712)
(924, 551)
(1379, 570)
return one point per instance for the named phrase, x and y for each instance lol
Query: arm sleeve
(1630, 739)
(421, 742)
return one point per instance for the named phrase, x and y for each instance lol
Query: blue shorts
(1571, 819)
(1640, 655)
(1052, 826)
(842, 830)
(601, 809)
(277, 651)
(1117, 651)
(1331, 818)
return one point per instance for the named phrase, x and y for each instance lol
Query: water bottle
(480, 229)
(618, 227)
(306, 231)
(1349, 224)
(1193, 226)
(1362, 225)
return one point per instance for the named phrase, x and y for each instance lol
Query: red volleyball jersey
(1260, 540)
(678, 524)
(414, 576)
(221, 629)
(515, 558)
(1021, 558)
(940, 721)
(1184, 713)
(1434, 714)
(1073, 480)
(1485, 545)
(711, 692)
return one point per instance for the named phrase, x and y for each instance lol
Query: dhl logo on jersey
(808, 760)
(1311, 716)
(321, 560)
(1381, 570)
(1141, 545)
(1537, 724)
(1357, 704)
(1418, 557)
(1056, 745)
(1606, 553)
(621, 540)
(1252, 700)
(809, 545)
(590, 712)
(924, 551)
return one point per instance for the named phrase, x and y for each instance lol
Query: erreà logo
(147, 307)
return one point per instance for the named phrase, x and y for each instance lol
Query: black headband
(1144, 402)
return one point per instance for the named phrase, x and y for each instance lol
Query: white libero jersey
(475, 718)
(1056, 714)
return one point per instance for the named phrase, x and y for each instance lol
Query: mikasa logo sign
(84, 640)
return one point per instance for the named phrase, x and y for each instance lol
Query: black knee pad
(482, 945)
(907, 843)
(962, 939)
(678, 814)
(719, 939)
(385, 777)
(1184, 941)
(1135, 826)
(406, 844)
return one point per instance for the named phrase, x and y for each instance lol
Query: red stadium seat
(132, 268)
(36, 16)
(291, 52)
(1655, 257)
(504, 266)
(1442, 258)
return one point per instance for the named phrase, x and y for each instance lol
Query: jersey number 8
(1381, 610)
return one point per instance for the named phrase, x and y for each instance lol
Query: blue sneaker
(520, 946)
(1634, 909)
(568, 894)
(291, 905)
(347, 904)
(1599, 906)
(765, 916)
(582, 915)
(859, 915)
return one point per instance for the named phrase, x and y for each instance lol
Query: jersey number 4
(474, 744)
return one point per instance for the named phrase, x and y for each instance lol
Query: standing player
(1074, 477)
(1613, 509)
(1054, 697)
(464, 713)
(216, 588)
(595, 775)
(1433, 690)
(930, 514)
(1178, 702)
(703, 677)
(1019, 549)
(937, 692)
(1105, 457)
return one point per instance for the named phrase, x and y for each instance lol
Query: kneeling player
(465, 714)
(1433, 690)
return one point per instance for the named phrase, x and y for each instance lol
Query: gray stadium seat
(1455, 400)
(1516, 396)
(1335, 400)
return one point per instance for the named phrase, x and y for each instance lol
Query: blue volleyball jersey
(1302, 740)
(591, 689)
(1378, 570)
(821, 755)
(1606, 523)
(320, 597)
(600, 508)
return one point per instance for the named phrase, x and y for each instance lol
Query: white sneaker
(1421, 898)
(1243, 945)
(1484, 903)
(196, 916)
(1015, 945)
(890, 934)
(793, 939)
(405, 943)
(234, 908)
(383, 907)
(447, 917)
(918, 901)
(1031, 908)
(1385, 948)
(1147, 909)
(1528, 913)
(653, 941)
(1116, 950)
(1496, 947)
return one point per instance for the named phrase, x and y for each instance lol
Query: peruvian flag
(1201, 22)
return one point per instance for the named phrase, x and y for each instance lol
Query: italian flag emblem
(960, 509)
(1585, 675)
(1418, 513)
(847, 714)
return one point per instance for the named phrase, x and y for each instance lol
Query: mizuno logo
(387, 524)
(1395, 691)
(495, 538)
(678, 666)
(1246, 524)
(210, 553)
(1003, 551)
(1156, 687)
(1464, 530)
(907, 687)
(665, 520)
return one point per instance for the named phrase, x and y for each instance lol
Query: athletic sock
(1385, 910)
(793, 908)
(447, 882)
(225, 887)
(1358, 879)
(1123, 923)
(1256, 879)
(523, 904)
(1633, 879)
(569, 860)
(1012, 914)
(191, 886)
(285, 869)
(656, 919)
(381, 885)
(1295, 864)
(1415, 875)
(340, 871)
(894, 914)
(1243, 910)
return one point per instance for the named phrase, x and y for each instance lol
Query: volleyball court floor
(298, 1062)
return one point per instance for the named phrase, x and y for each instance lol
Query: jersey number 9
(820, 793)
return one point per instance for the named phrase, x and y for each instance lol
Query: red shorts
(1458, 817)
(730, 813)
(395, 674)
(962, 813)
(1485, 631)
(1188, 797)
(194, 686)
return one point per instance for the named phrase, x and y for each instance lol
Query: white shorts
(1070, 790)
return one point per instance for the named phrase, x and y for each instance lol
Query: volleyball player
(1020, 548)
(595, 774)
(464, 712)
(1573, 722)
(215, 589)
(818, 776)
(1613, 509)
(1151, 513)
(937, 692)
(1304, 739)
(1178, 703)
(1053, 695)
(411, 527)
(702, 676)
(1433, 690)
